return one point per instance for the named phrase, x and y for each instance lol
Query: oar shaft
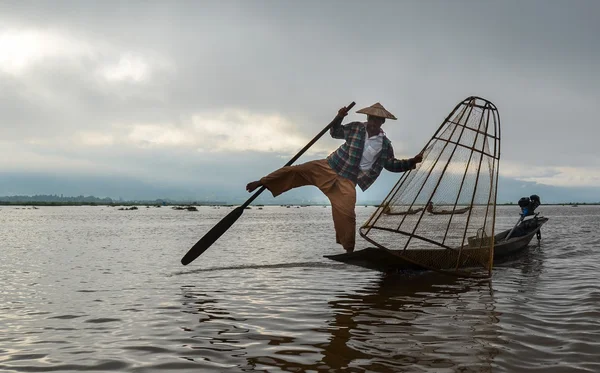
(254, 196)
(222, 226)
(513, 229)
(314, 140)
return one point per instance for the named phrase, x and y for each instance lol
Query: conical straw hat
(377, 110)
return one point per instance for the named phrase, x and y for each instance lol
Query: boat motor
(529, 204)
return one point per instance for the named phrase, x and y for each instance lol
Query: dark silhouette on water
(446, 212)
(388, 211)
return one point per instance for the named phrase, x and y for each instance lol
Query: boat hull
(396, 260)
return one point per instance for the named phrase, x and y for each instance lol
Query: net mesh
(441, 214)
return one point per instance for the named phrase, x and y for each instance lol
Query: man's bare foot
(349, 250)
(251, 187)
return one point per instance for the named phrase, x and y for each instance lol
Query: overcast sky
(204, 94)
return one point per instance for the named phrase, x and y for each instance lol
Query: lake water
(98, 289)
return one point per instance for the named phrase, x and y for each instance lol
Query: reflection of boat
(507, 244)
(388, 322)
(446, 212)
(388, 211)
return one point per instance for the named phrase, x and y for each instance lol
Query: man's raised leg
(286, 178)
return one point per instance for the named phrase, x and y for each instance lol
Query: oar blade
(209, 238)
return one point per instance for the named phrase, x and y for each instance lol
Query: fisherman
(358, 161)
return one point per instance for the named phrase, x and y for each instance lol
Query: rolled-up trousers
(340, 191)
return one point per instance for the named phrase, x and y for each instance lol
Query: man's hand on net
(418, 158)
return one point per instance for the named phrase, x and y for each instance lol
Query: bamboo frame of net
(470, 134)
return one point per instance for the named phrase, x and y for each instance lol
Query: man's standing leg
(340, 191)
(343, 201)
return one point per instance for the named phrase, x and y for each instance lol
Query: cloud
(59, 81)
(94, 139)
(202, 86)
(128, 68)
(23, 49)
(563, 176)
(226, 131)
(240, 131)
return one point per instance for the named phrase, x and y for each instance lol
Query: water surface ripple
(98, 289)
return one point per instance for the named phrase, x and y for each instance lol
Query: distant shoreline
(154, 204)
(124, 203)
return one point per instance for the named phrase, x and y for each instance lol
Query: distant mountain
(56, 198)
(116, 188)
(509, 190)
(128, 188)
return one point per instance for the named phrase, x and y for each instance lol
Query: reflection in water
(422, 322)
(406, 323)
(529, 264)
(217, 326)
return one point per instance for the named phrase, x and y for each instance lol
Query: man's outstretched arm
(401, 165)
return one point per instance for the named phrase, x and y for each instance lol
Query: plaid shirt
(345, 161)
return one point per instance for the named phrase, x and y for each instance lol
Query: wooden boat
(388, 211)
(446, 212)
(392, 260)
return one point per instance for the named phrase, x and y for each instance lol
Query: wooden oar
(209, 238)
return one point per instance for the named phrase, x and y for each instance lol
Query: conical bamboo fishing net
(441, 215)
